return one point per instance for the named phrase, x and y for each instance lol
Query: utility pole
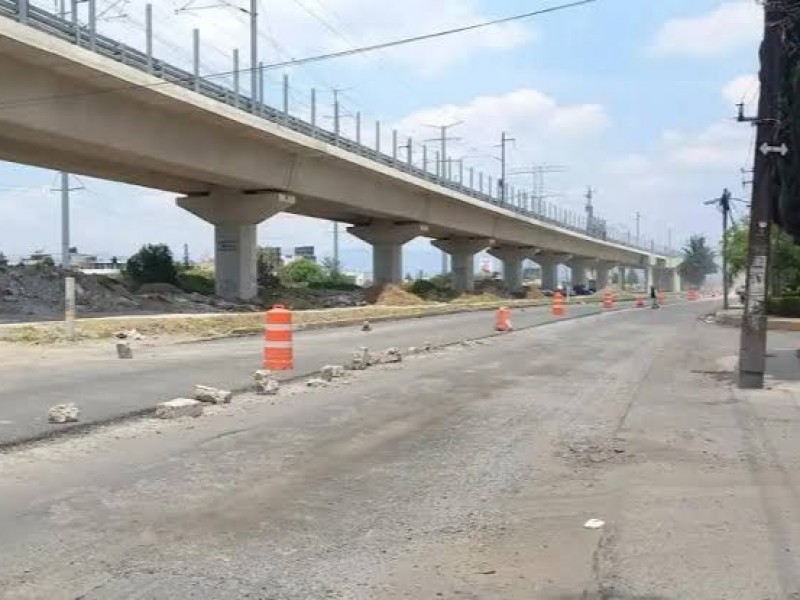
(504, 139)
(638, 223)
(443, 138)
(753, 345)
(724, 203)
(66, 259)
(336, 246)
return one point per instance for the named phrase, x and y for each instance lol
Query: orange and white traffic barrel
(278, 344)
(608, 299)
(502, 321)
(558, 305)
(639, 301)
(692, 295)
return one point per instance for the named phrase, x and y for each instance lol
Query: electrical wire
(309, 59)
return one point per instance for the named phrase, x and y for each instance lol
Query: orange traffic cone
(608, 299)
(502, 321)
(558, 305)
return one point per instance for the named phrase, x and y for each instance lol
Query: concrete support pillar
(623, 284)
(676, 281)
(387, 239)
(549, 262)
(512, 257)
(580, 270)
(235, 216)
(462, 252)
(648, 278)
(602, 280)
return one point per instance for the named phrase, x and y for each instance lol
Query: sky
(635, 98)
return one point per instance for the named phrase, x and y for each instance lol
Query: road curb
(82, 428)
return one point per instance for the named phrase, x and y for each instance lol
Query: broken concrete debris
(212, 395)
(360, 360)
(316, 382)
(392, 355)
(265, 383)
(179, 407)
(366, 326)
(330, 372)
(124, 350)
(63, 413)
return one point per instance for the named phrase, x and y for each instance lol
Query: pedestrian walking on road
(654, 297)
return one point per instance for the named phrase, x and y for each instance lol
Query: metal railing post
(93, 25)
(377, 136)
(196, 60)
(148, 28)
(236, 80)
(313, 107)
(358, 128)
(22, 11)
(410, 155)
(394, 144)
(286, 95)
(425, 158)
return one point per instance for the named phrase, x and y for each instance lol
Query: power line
(311, 59)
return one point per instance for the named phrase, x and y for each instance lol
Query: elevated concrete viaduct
(66, 107)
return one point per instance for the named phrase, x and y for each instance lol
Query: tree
(698, 261)
(153, 263)
(785, 261)
(631, 276)
(269, 263)
(302, 271)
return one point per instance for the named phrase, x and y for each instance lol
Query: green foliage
(784, 306)
(784, 260)
(736, 250)
(334, 279)
(438, 288)
(302, 271)
(269, 263)
(698, 261)
(197, 281)
(153, 263)
(631, 276)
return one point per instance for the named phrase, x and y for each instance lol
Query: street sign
(766, 149)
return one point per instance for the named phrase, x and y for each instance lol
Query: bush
(197, 281)
(424, 288)
(784, 306)
(152, 264)
(302, 271)
(340, 286)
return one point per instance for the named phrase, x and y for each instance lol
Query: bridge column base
(463, 251)
(601, 280)
(549, 262)
(235, 216)
(387, 239)
(580, 270)
(512, 258)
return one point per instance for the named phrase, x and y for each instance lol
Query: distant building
(305, 252)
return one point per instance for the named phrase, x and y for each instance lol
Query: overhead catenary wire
(309, 59)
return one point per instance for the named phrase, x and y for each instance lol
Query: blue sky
(633, 97)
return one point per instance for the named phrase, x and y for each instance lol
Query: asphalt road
(105, 387)
(465, 474)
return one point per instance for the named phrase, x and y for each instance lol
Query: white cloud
(310, 27)
(743, 89)
(731, 26)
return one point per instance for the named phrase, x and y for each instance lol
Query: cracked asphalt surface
(467, 473)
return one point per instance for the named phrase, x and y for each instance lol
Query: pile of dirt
(391, 295)
(534, 293)
(306, 298)
(29, 293)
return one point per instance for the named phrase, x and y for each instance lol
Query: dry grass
(228, 324)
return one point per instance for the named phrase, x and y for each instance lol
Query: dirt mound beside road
(392, 295)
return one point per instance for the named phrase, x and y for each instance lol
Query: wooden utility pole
(752, 352)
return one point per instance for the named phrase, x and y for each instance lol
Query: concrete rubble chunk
(366, 326)
(392, 355)
(427, 346)
(212, 395)
(316, 382)
(265, 383)
(361, 359)
(179, 407)
(413, 350)
(330, 372)
(63, 413)
(124, 350)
